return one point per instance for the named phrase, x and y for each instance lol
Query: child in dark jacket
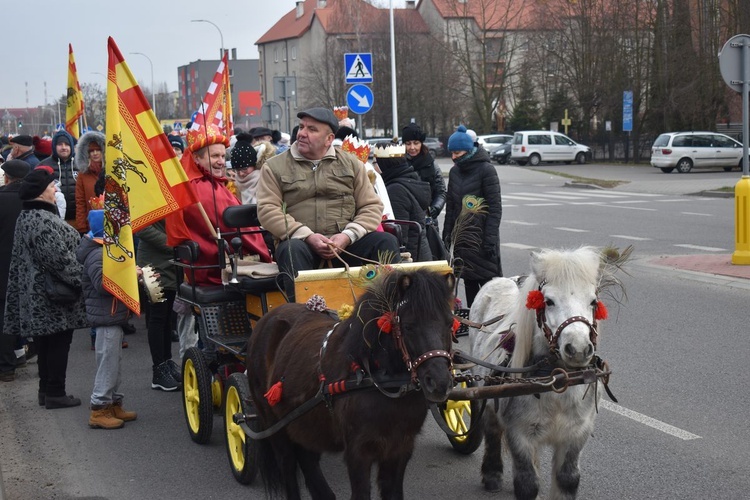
(107, 315)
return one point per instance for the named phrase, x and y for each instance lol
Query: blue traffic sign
(627, 111)
(358, 68)
(359, 98)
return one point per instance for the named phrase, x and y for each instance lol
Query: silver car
(685, 150)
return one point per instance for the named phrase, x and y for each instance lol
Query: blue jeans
(108, 366)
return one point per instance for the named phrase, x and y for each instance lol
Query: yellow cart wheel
(461, 416)
(241, 450)
(197, 401)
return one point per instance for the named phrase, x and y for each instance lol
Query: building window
(231, 72)
(276, 55)
(294, 53)
(283, 53)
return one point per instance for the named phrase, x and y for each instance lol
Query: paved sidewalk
(702, 263)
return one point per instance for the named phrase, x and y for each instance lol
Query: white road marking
(543, 204)
(629, 201)
(518, 246)
(698, 214)
(571, 229)
(521, 223)
(637, 194)
(629, 208)
(670, 201)
(522, 198)
(705, 249)
(651, 422)
(625, 237)
(596, 194)
(566, 196)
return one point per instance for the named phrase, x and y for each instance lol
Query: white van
(685, 150)
(536, 146)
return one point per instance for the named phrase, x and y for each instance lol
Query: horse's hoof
(492, 484)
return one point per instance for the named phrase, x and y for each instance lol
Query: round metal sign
(730, 61)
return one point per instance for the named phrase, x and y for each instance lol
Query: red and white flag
(216, 108)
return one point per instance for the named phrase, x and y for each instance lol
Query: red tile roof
(500, 15)
(336, 18)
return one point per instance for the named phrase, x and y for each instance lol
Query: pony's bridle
(413, 364)
(553, 337)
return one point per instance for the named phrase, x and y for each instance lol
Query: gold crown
(360, 149)
(390, 151)
(341, 112)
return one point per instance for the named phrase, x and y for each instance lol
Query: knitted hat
(96, 223)
(35, 183)
(22, 140)
(18, 169)
(460, 140)
(243, 153)
(413, 132)
(42, 146)
(176, 142)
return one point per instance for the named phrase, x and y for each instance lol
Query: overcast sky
(35, 36)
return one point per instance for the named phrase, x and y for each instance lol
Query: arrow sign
(359, 98)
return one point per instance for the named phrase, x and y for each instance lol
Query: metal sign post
(735, 69)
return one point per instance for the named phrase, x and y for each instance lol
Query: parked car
(492, 142)
(501, 154)
(536, 146)
(685, 150)
(434, 146)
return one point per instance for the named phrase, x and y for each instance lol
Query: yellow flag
(74, 108)
(144, 181)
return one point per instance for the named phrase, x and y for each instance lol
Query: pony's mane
(384, 294)
(567, 270)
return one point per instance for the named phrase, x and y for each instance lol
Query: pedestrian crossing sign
(358, 68)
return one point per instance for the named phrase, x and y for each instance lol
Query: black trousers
(52, 360)
(294, 255)
(7, 346)
(159, 326)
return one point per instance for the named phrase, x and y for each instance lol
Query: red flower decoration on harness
(600, 312)
(535, 300)
(456, 326)
(273, 396)
(385, 322)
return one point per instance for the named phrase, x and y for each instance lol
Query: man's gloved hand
(434, 212)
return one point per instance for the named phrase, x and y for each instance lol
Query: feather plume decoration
(470, 206)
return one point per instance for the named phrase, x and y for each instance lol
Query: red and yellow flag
(74, 108)
(144, 181)
(216, 107)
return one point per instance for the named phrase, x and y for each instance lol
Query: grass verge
(586, 180)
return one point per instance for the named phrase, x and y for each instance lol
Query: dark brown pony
(307, 350)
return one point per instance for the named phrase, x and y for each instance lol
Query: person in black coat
(472, 233)
(421, 160)
(10, 208)
(410, 197)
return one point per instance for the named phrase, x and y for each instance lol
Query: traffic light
(20, 124)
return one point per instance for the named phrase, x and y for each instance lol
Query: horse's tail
(269, 468)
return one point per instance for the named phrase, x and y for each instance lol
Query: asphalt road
(677, 347)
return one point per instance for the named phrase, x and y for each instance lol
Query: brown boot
(103, 418)
(122, 414)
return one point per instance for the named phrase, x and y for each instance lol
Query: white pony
(554, 316)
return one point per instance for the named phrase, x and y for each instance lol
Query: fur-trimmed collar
(40, 205)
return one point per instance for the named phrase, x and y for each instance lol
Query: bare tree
(482, 38)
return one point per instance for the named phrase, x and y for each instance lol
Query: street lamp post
(217, 28)
(153, 90)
